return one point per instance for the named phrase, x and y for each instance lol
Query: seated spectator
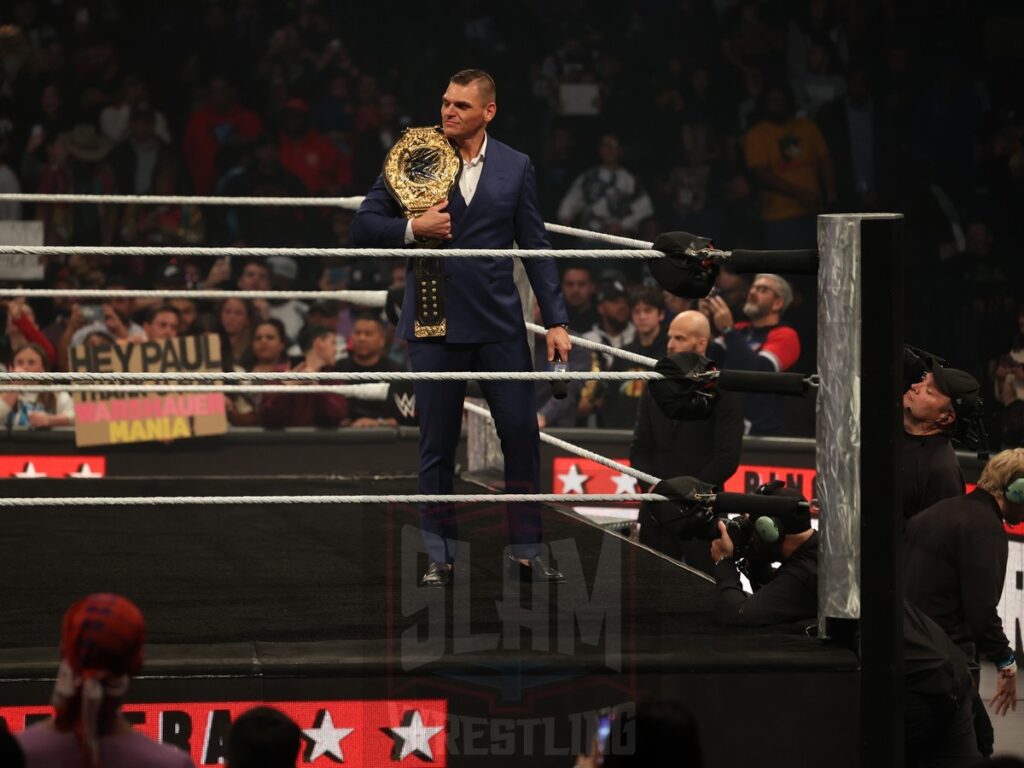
(101, 650)
(606, 198)
(614, 329)
(367, 349)
(22, 329)
(284, 272)
(336, 316)
(235, 321)
(263, 737)
(310, 155)
(162, 322)
(266, 354)
(34, 410)
(792, 170)
(116, 118)
(135, 161)
(578, 291)
(264, 177)
(193, 320)
(299, 409)
(165, 224)
(647, 310)
(221, 122)
(760, 343)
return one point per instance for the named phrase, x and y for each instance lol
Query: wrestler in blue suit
(485, 330)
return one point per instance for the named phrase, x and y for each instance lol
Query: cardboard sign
(106, 418)
(360, 732)
(15, 266)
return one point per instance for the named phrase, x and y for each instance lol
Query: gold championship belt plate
(420, 171)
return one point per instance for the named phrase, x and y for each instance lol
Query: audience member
(34, 410)
(162, 322)
(578, 290)
(302, 409)
(219, 123)
(367, 346)
(607, 198)
(101, 650)
(271, 225)
(263, 737)
(760, 343)
(310, 155)
(647, 312)
(284, 272)
(235, 321)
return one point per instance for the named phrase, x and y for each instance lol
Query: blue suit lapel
(492, 178)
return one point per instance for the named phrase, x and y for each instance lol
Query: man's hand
(722, 547)
(433, 224)
(558, 339)
(1006, 692)
(721, 315)
(219, 273)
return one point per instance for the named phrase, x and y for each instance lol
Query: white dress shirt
(469, 179)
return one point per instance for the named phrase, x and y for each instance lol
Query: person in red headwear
(101, 649)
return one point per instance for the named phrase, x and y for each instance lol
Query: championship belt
(420, 171)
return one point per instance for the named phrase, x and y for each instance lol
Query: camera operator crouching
(787, 594)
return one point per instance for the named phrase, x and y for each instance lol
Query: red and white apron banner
(362, 732)
(33, 467)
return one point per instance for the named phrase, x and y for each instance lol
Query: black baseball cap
(960, 387)
(610, 289)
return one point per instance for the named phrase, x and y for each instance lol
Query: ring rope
(362, 298)
(419, 498)
(214, 376)
(355, 391)
(389, 253)
(597, 346)
(572, 448)
(348, 203)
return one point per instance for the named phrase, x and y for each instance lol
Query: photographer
(787, 594)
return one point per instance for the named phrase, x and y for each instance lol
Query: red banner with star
(362, 732)
(31, 467)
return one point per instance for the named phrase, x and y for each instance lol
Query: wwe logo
(422, 164)
(406, 404)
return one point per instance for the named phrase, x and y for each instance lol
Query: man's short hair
(646, 294)
(782, 287)
(309, 334)
(373, 317)
(159, 309)
(264, 738)
(483, 80)
(1001, 470)
(579, 268)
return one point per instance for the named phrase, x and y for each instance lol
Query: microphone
(559, 389)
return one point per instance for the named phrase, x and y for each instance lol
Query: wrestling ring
(291, 576)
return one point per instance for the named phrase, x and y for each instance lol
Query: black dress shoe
(437, 575)
(537, 570)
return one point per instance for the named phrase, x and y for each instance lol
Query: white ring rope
(361, 298)
(389, 253)
(214, 376)
(355, 391)
(350, 203)
(347, 203)
(418, 498)
(632, 357)
(583, 452)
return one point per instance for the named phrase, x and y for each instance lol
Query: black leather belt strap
(429, 289)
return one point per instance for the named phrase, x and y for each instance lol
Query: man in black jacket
(956, 553)
(708, 449)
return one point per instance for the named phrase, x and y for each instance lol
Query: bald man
(708, 449)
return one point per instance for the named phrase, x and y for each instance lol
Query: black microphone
(559, 388)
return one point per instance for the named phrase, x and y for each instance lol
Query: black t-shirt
(931, 472)
(359, 408)
(620, 408)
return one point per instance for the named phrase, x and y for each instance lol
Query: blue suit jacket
(481, 301)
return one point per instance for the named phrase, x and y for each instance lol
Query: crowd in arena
(740, 120)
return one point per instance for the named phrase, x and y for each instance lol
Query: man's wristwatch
(559, 325)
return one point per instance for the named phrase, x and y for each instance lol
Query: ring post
(860, 342)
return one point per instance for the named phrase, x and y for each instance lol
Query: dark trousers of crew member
(440, 410)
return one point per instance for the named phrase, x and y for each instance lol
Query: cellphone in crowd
(604, 730)
(715, 291)
(93, 313)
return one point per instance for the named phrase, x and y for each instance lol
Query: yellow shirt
(794, 151)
